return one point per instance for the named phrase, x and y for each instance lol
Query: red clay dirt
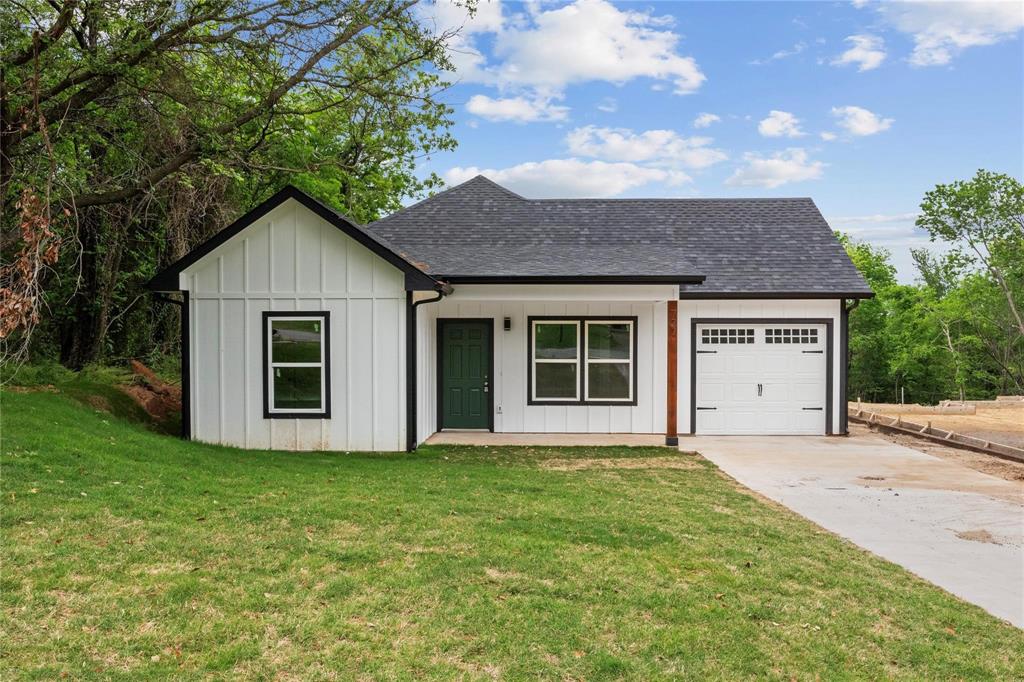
(158, 398)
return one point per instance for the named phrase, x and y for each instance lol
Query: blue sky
(862, 106)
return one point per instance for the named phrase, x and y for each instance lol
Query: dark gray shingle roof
(480, 229)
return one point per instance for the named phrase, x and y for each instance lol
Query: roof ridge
(506, 190)
(447, 190)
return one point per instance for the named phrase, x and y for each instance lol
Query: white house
(480, 309)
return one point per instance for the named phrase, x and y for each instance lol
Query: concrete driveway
(958, 528)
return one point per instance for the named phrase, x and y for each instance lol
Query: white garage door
(760, 378)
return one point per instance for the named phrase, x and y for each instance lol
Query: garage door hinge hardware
(813, 408)
(707, 351)
(707, 408)
(814, 351)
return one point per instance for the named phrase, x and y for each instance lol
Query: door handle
(760, 390)
(487, 387)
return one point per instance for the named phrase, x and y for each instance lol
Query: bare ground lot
(999, 425)
(986, 464)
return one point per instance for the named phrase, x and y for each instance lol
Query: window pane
(555, 380)
(297, 388)
(608, 381)
(295, 340)
(608, 341)
(554, 341)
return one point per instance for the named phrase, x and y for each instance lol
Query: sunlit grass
(131, 555)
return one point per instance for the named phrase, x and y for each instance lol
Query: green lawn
(127, 554)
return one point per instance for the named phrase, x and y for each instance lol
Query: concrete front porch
(544, 439)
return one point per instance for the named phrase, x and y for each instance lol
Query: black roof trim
(575, 279)
(415, 278)
(694, 295)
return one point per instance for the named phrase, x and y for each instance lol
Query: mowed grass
(131, 555)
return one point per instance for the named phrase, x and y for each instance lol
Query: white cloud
(781, 54)
(517, 109)
(570, 177)
(548, 49)
(941, 30)
(828, 136)
(860, 121)
(780, 124)
(608, 105)
(656, 146)
(867, 51)
(791, 165)
(705, 119)
(877, 218)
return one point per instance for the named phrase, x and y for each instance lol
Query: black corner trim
(326, 413)
(827, 321)
(580, 361)
(416, 279)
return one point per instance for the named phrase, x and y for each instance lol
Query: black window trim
(325, 315)
(580, 358)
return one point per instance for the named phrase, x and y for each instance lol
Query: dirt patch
(159, 399)
(986, 464)
(621, 463)
(999, 425)
(45, 388)
(980, 535)
(98, 402)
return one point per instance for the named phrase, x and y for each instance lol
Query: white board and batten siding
(648, 303)
(293, 260)
(793, 382)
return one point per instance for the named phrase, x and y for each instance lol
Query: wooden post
(672, 368)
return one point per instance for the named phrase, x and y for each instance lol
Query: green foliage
(163, 122)
(129, 555)
(952, 335)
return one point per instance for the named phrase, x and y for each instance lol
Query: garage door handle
(760, 388)
(707, 351)
(707, 408)
(813, 408)
(814, 351)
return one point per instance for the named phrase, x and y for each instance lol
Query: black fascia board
(573, 279)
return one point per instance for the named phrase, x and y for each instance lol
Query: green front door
(465, 374)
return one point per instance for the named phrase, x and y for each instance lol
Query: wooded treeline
(957, 333)
(131, 131)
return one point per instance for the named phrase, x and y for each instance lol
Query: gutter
(411, 393)
(186, 362)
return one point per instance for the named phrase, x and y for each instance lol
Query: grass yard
(132, 555)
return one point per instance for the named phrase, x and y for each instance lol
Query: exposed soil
(999, 425)
(620, 463)
(981, 535)
(986, 464)
(159, 399)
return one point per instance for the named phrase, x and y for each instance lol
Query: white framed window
(554, 370)
(296, 359)
(609, 360)
(582, 360)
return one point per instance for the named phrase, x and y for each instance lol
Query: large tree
(982, 219)
(129, 131)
